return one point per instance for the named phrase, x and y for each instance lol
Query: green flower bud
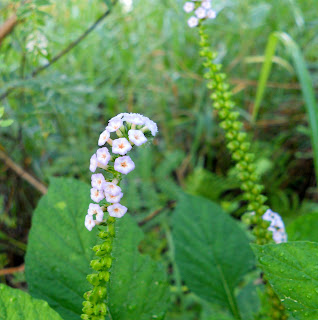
(107, 246)
(85, 317)
(106, 261)
(241, 137)
(245, 146)
(100, 309)
(101, 292)
(88, 310)
(96, 265)
(104, 275)
(93, 279)
(237, 125)
(234, 115)
(238, 155)
(249, 157)
(233, 145)
(87, 295)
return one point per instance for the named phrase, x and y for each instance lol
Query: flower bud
(100, 309)
(104, 275)
(101, 292)
(96, 265)
(93, 279)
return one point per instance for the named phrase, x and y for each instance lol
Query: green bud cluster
(239, 147)
(95, 304)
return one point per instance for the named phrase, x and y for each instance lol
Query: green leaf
(6, 123)
(59, 256)
(212, 252)
(249, 301)
(59, 249)
(138, 286)
(214, 312)
(1, 111)
(18, 305)
(291, 268)
(304, 228)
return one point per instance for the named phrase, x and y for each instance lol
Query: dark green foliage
(208, 244)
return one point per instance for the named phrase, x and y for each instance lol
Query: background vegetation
(145, 59)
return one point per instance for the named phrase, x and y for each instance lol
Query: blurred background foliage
(143, 58)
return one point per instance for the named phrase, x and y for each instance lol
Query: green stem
(95, 306)
(239, 147)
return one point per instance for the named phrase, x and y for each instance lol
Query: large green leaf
(59, 256)
(59, 249)
(138, 286)
(212, 252)
(304, 228)
(291, 268)
(18, 305)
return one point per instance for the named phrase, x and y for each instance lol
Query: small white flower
(97, 195)
(111, 188)
(103, 156)
(124, 165)
(114, 125)
(94, 209)
(117, 210)
(188, 7)
(277, 226)
(93, 163)
(206, 4)
(89, 222)
(98, 181)
(211, 14)
(121, 146)
(113, 199)
(151, 125)
(200, 13)
(100, 216)
(137, 137)
(104, 136)
(192, 22)
(280, 236)
(134, 118)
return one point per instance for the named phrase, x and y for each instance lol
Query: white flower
(124, 165)
(206, 4)
(151, 125)
(121, 146)
(97, 181)
(111, 188)
(134, 118)
(103, 156)
(280, 236)
(137, 137)
(104, 136)
(188, 7)
(100, 216)
(117, 210)
(93, 163)
(114, 124)
(113, 199)
(94, 209)
(192, 22)
(211, 14)
(96, 195)
(277, 226)
(89, 222)
(200, 13)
